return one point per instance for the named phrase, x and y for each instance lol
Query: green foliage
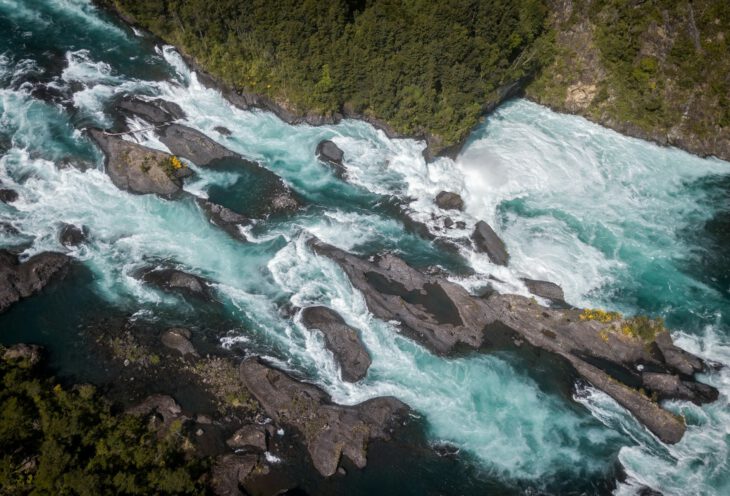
(422, 66)
(60, 441)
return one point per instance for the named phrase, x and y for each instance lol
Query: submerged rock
(329, 430)
(71, 235)
(139, 169)
(223, 130)
(18, 281)
(225, 218)
(155, 111)
(342, 340)
(449, 201)
(605, 349)
(179, 339)
(331, 154)
(178, 281)
(487, 241)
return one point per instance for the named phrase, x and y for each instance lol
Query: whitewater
(618, 222)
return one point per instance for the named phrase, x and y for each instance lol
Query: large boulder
(155, 111)
(8, 195)
(174, 280)
(331, 154)
(19, 281)
(178, 339)
(139, 169)
(545, 289)
(342, 340)
(193, 145)
(449, 201)
(71, 235)
(487, 241)
(604, 348)
(329, 430)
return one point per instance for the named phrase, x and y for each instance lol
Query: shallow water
(618, 222)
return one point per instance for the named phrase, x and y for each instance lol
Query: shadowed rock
(30, 354)
(449, 201)
(248, 436)
(445, 317)
(545, 289)
(71, 235)
(231, 471)
(225, 218)
(329, 430)
(487, 241)
(159, 404)
(178, 281)
(19, 281)
(179, 339)
(156, 111)
(139, 169)
(342, 340)
(331, 154)
(8, 195)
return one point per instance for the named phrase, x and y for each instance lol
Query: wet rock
(445, 317)
(672, 386)
(19, 281)
(448, 222)
(331, 154)
(223, 130)
(29, 354)
(178, 281)
(230, 471)
(139, 169)
(342, 340)
(329, 430)
(449, 201)
(249, 436)
(8, 195)
(487, 241)
(71, 235)
(155, 111)
(193, 145)
(545, 289)
(225, 218)
(179, 339)
(460, 224)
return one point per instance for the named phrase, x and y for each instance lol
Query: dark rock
(342, 340)
(193, 145)
(331, 154)
(158, 404)
(179, 339)
(136, 168)
(8, 195)
(29, 354)
(487, 241)
(329, 430)
(449, 201)
(223, 130)
(230, 471)
(225, 218)
(448, 222)
(8, 228)
(19, 281)
(445, 317)
(71, 235)
(545, 289)
(178, 281)
(156, 111)
(249, 436)
(672, 386)
(460, 224)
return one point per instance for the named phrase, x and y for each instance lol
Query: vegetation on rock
(58, 440)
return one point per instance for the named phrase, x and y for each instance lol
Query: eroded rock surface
(178, 338)
(449, 201)
(341, 339)
(329, 430)
(487, 241)
(605, 349)
(18, 281)
(193, 145)
(175, 280)
(155, 111)
(225, 218)
(330, 153)
(139, 169)
(546, 289)
(71, 235)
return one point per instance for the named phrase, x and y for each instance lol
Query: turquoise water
(619, 223)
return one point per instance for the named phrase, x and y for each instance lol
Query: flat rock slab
(193, 145)
(178, 339)
(487, 241)
(139, 169)
(18, 281)
(155, 111)
(545, 289)
(329, 430)
(342, 340)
